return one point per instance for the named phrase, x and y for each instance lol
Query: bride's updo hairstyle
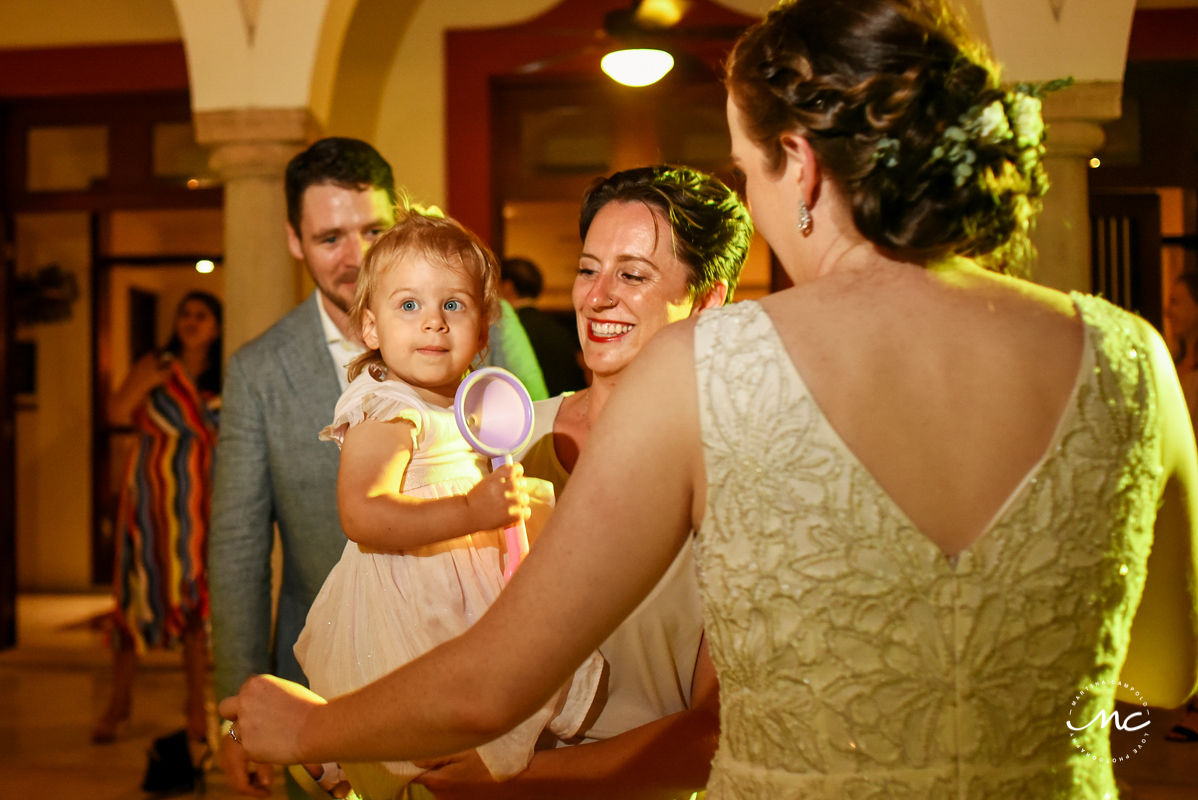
(906, 115)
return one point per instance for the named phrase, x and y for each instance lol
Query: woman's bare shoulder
(672, 345)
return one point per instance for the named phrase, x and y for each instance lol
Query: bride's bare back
(948, 385)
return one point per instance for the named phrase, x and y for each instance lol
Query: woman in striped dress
(172, 398)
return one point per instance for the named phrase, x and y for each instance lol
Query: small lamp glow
(204, 266)
(1095, 162)
(638, 67)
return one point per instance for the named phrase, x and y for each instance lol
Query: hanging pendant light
(637, 66)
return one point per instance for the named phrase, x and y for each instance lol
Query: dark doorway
(8, 476)
(143, 322)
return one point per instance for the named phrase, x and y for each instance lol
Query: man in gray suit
(280, 390)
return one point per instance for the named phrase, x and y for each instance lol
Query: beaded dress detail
(855, 659)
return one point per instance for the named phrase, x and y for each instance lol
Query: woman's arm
(630, 506)
(147, 373)
(375, 512)
(666, 758)
(1162, 659)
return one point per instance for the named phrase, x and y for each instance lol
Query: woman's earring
(804, 218)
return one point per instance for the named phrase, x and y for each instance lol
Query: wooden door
(1125, 251)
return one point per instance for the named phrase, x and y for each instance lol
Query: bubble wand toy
(493, 411)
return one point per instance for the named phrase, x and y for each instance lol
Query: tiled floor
(55, 682)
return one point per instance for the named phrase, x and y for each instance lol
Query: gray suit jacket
(279, 391)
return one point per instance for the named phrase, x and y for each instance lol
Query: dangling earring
(804, 218)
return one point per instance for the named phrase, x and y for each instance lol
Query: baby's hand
(328, 777)
(500, 499)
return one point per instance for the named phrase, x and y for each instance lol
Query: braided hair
(906, 114)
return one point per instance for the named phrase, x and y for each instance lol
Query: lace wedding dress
(855, 660)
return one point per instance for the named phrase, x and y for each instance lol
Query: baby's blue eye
(408, 305)
(454, 305)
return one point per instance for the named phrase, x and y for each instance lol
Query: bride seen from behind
(937, 508)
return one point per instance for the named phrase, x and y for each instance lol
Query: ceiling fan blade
(657, 20)
(563, 57)
(718, 32)
(659, 14)
(640, 23)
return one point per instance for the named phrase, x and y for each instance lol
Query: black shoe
(170, 770)
(1181, 733)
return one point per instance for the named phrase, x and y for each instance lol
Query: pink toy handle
(515, 537)
(494, 415)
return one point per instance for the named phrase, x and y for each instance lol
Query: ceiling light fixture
(637, 67)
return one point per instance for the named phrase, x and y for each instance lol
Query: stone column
(1074, 118)
(250, 149)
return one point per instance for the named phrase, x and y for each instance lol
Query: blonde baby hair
(440, 240)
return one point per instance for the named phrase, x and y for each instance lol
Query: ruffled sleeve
(384, 401)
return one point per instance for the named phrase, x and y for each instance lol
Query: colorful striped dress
(161, 578)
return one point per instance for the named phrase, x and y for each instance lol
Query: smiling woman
(630, 285)
(659, 244)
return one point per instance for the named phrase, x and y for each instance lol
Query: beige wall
(411, 106)
(54, 435)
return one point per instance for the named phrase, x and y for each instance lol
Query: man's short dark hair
(525, 277)
(341, 161)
